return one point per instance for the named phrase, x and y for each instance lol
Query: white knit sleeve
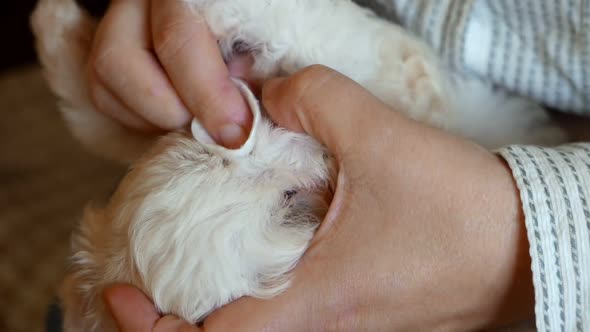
(535, 48)
(554, 187)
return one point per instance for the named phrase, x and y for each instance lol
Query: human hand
(133, 312)
(425, 231)
(154, 65)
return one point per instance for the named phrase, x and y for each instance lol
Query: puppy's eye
(240, 47)
(289, 194)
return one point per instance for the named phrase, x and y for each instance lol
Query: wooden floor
(45, 180)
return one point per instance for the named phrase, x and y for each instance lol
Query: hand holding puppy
(425, 231)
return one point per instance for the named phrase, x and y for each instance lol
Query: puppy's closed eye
(287, 195)
(240, 47)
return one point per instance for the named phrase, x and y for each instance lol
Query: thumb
(130, 308)
(134, 312)
(323, 103)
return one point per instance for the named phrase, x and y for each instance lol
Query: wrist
(510, 294)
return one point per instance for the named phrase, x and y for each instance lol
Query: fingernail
(232, 136)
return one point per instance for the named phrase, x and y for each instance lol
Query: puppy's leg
(285, 36)
(64, 36)
(495, 118)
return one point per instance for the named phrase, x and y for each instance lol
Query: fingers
(122, 64)
(192, 59)
(327, 105)
(106, 102)
(134, 312)
(128, 83)
(130, 308)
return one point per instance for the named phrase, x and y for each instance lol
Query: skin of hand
(154, 65)
(425, 232)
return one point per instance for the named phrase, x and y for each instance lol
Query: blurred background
(45, 178)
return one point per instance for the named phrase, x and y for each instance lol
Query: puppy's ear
(201, 134)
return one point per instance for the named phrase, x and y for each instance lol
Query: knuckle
(309, 79)
(97, 97)
(315, 71)
(103, 63)
(173, 121)
(172, 38)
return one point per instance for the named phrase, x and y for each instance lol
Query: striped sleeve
(554, 186)
(536, 48)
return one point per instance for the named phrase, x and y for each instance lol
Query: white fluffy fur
(196, 226)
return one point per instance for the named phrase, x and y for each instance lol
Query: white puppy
(196, 226)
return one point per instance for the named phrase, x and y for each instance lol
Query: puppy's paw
(411, 79)
(422, 84)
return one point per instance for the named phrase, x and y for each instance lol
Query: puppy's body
(196, 226)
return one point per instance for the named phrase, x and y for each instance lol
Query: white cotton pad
(201, 134)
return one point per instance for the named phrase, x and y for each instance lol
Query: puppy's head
(204, 225)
